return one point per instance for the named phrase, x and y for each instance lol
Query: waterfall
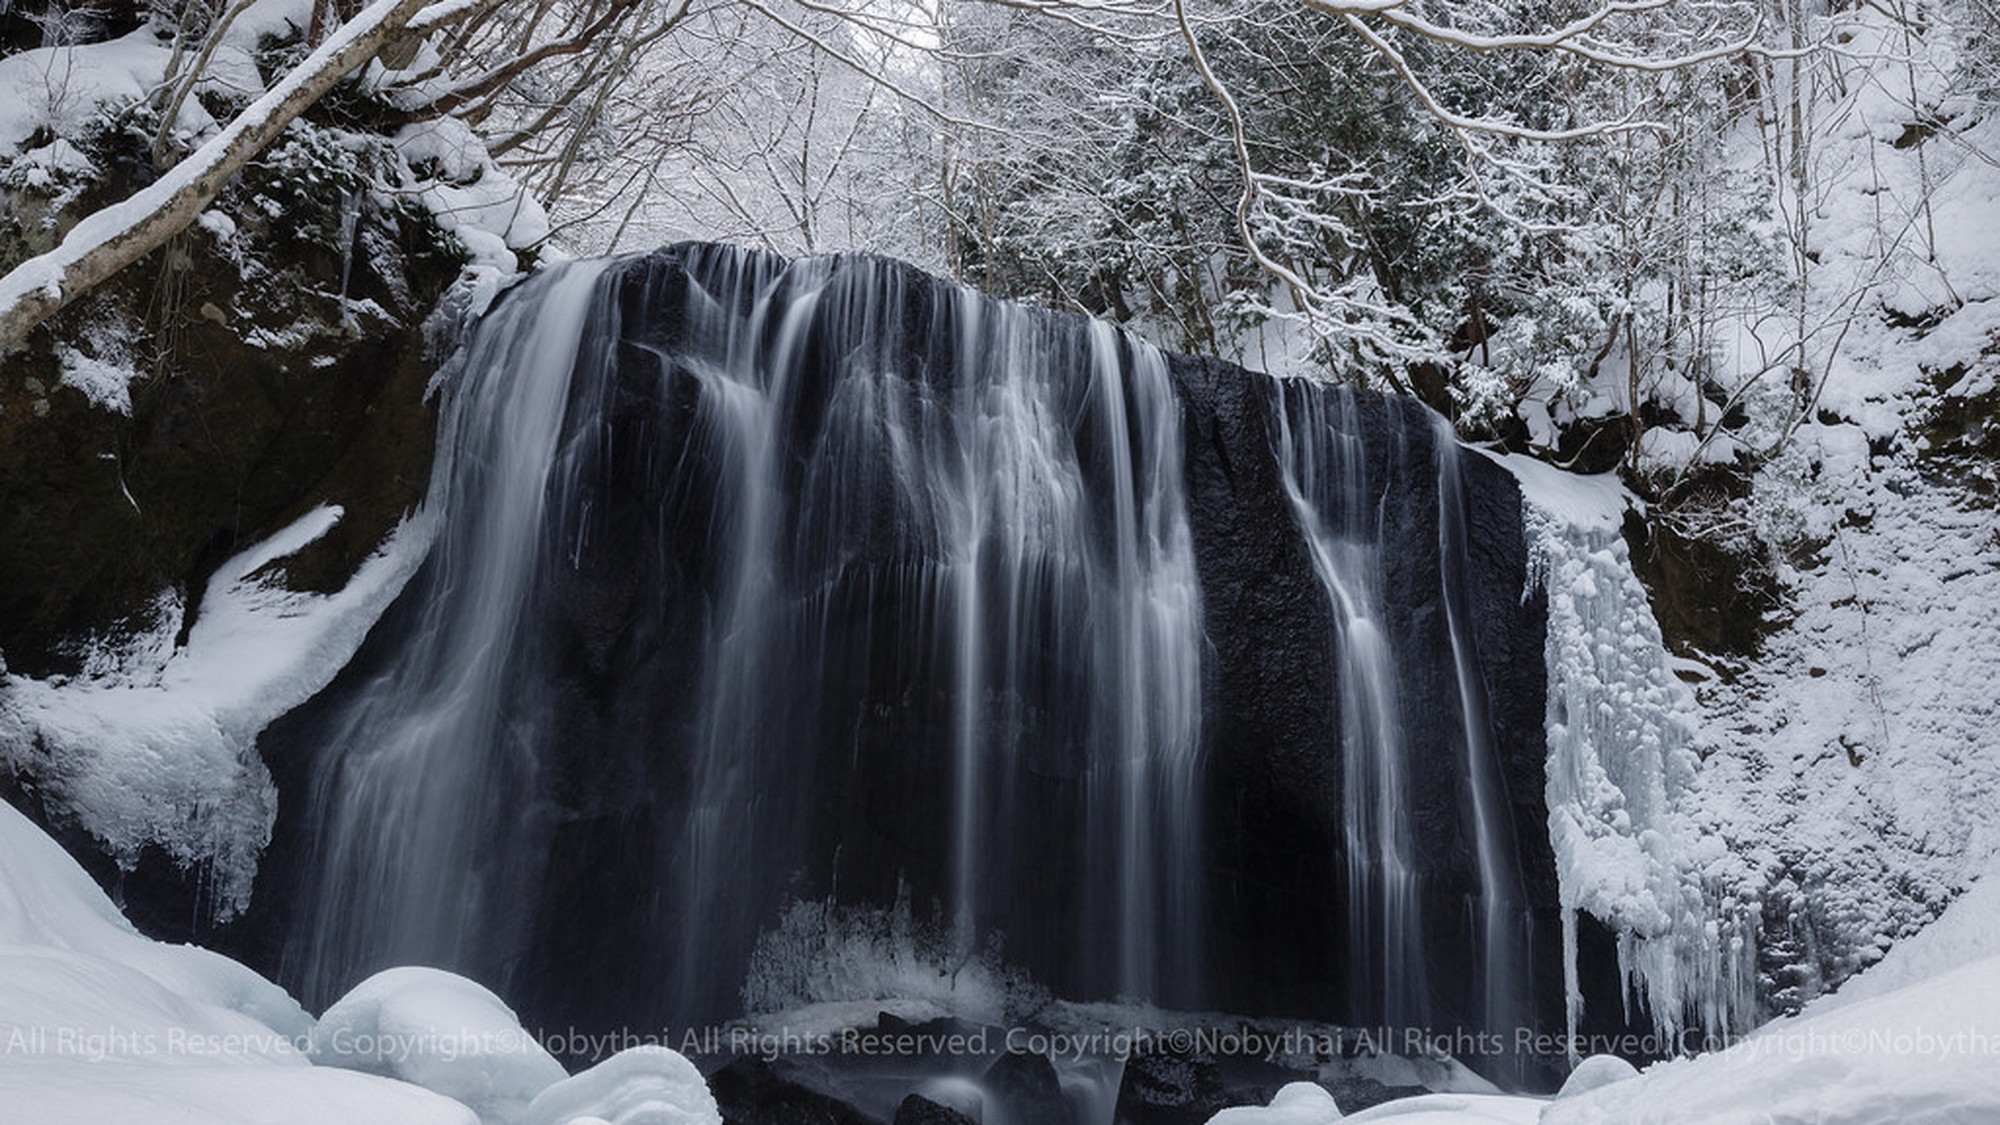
(768, 594)
(852, 495)
(1354, 499)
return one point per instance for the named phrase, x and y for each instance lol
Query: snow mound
(639, 1086)
(1921, 1055)
(1300, 1103)
(1596, 1072)
(1455, 1109)
(51, 910)
(155, 745)
(440, 1031)
(100, 1026)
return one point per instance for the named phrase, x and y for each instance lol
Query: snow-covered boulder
(1300, 1103)
(639, 1086)
(1594, 1072)
(440, 1031)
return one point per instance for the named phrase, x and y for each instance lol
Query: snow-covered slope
(102, 1026)
(99, 1024)
(1913, 1041)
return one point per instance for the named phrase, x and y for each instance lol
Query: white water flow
(762, 584)
(418, 851)
(1030, 490)
(747, 567)
(1503, 911)
(1326, 478)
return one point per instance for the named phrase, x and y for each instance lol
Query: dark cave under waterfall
(761, 582)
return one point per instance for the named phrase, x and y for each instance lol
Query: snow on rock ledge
(100, 1026)
(640, 1086)
(440, 1031)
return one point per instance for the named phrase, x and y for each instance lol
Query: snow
(1968, 931)
(1919, 1055)
(637, 1086)
(155, 745)
(60, 88)
(488, 210)
(1596, 1072)
(440, 1031)
(1595, 502)
(115, 223)
(1455, 1109)
(101, 1025)
(105, 382)
(1299, 1103)
(1306, 1103)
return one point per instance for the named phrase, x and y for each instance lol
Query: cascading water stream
(1350, 497)
(1503, 912)
(815, 525)
(409, 865)
(1326, 479)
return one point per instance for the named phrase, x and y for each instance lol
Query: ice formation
(1621, 767)
(155, 745)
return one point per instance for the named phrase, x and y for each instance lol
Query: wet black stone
(755, 1091)
(919, 1110)
(1024, 1087)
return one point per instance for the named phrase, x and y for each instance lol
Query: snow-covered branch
(117, 236)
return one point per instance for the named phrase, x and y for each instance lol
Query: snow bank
(155, 745)
(639, 1086)
(1306, 1103)
(100, 1025)
(440, 1031)
(1921, 1055)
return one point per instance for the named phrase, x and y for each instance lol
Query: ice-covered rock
(440, 1031)
(1622, 771)
(639, 1086)
(155, 745)
(1594, 1072)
